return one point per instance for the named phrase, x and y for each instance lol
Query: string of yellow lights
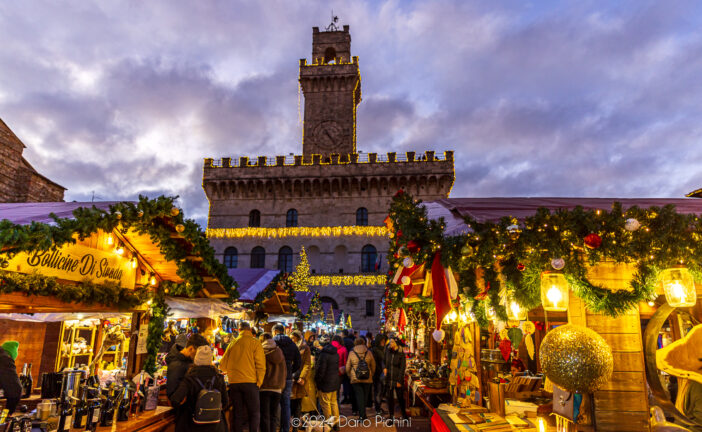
(347, 280)
(284, 232)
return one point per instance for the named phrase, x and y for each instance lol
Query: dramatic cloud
(114, 99)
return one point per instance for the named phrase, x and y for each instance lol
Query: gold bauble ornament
(180, 228)
(175, 211)
(467, 251)
(140, 213)
(118, 214)
(576, 358)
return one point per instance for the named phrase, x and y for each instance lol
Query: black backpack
(208, 407)
(362, 369)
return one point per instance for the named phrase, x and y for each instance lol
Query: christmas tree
(300, 278)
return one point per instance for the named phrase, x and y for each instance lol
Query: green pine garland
(517, 257)
(157, 323)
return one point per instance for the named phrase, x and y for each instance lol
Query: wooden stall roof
(150, 253)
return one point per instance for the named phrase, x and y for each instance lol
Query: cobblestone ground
(414, 424)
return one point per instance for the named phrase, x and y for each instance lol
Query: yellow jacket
(244, 360)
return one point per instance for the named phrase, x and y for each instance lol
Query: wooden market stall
(77, 276)
(563, 286)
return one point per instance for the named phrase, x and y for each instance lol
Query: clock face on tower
(327, 135)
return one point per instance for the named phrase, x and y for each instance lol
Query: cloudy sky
(584, 98)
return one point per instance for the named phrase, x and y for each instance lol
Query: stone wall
(19, 181)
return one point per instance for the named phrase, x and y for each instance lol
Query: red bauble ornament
(399, 193)
(593, 241)
(398, 234)
(396, 255)
(521, 267)
(413, 246)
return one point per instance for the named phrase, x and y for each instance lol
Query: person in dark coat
(326, 377)
(202, 373)
(9, 380)
(395, 364)
(378, 350)
(349, 397)
(179, 360)
(293, 361)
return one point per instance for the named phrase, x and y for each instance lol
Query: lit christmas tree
(300, 278)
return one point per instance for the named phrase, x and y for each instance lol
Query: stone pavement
(413, 424)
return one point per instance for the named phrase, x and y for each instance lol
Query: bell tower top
(330, 44)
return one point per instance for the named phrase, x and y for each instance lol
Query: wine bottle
(107, 413)
(124, 405)
(80, 413)
(65, 417)
(93, 414)
(29, 381)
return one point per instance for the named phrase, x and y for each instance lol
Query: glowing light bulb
(119, 251)
(651, 303)
(110, 240)
(152, 281)
(554, 295)
(678, 291)
(542, 425)
(134, 263)
(453, 316)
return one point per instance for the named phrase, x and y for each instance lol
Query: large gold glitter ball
(576, 358)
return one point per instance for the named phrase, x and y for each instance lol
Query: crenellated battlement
(334, 159)
(338, 62)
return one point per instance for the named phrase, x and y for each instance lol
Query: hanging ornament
(529, 343)
(406, 280)
(408, 262)
(506, 349)
(118, 214)
(503, 334)
(403, 251)
(438, 335)
(521, 267)
(558, 263)
(175, 211)
(576, 358)
(467, 251)
(399, 233)
(413, 246)
(180, 228)
(140, 213)
(632, 224)
(515, 335)
(514, 231)
(593, 241)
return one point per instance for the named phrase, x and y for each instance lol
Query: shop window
(370, 308)
(285, 257)
(291, 218)
(362, 216)
(255, 218)
(231, 257)
(258, 257)
(368, 258)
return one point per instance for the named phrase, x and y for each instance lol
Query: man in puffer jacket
(326, 376)
(361, 385)
(179, 360)
(273, 384)
(293, 362)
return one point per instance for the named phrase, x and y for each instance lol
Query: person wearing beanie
(273, 384)
(179, 360)
(9, 380)
(201, 373)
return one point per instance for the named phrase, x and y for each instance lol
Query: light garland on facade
(347, 280)
(284, 232)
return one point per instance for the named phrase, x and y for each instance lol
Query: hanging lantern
(516, 312)
(554, 291)
(678, 286)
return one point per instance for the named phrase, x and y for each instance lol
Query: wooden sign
(143, 335)
(76, 263)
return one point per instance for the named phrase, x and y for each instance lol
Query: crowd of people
(270, 381)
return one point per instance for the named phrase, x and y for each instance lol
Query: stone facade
(19, 181)
(329, 185)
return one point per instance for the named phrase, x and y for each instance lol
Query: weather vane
(334, 19)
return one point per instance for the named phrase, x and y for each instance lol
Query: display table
(430, 397)
(441, 421)
(161, 419)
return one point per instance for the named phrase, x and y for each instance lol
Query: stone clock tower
(331, 199)
(332, 89)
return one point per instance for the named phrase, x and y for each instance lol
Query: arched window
(285, 256)
(258, 257)
(330, 301)
(368, 257)
(255, 218)
(291, 218)
(329, 55)
(362, 216)
(231, 257)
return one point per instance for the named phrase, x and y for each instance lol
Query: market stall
(83, 289)
(535, 306)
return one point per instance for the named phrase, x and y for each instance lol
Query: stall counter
(162, 419)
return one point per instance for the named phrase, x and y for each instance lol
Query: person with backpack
(360, 367)
(327, 379)
(201, 396)
(180, 358)
(273, 384)
(395, 363)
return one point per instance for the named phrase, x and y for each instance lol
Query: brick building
(19, 181)
(331, 199)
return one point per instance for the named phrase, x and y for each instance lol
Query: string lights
(347, 280)
(285, 232)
